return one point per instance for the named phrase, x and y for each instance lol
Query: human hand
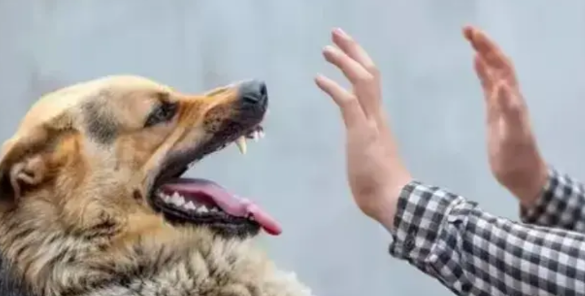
(375, 171)
(514, 157)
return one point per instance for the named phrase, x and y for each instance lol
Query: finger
(486, 48)
(485, 77)
(357, 75)
(492, 55)
(368, 93)
(354, 50)
(489, 92)
(349, 105)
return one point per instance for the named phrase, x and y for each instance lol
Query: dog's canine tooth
(241, 142)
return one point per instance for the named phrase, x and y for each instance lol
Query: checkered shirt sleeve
(561, 204)
(472, 252)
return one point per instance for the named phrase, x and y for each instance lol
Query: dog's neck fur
(56, 259)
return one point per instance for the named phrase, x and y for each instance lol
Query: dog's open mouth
(201, 201)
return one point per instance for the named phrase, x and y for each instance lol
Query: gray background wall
(297, 172)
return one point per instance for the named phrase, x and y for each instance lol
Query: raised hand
(514, 157)
(375, 171)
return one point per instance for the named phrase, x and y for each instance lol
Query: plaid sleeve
(561, 204)
(474, 253)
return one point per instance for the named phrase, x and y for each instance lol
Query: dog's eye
(164, 112)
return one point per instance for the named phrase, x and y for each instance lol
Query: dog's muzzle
(200, 201)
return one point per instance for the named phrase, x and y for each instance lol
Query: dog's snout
(254, 92)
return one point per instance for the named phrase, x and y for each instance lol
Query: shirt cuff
(535, 214)
(561, 204)
(421, 212)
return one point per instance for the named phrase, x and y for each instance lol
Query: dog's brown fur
(73, 214)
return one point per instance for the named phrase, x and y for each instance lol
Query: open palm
(375, 171)
(513, 152)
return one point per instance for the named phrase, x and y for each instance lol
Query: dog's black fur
(9, 286)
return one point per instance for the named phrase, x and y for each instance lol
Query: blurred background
(297, 171)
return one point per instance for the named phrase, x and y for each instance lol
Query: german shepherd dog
(92, 201)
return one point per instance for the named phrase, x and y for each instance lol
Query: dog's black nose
(254, 92)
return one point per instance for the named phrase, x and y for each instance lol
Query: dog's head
(116, 147)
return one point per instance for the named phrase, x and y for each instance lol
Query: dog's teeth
(261, 134)
(202, 209)
(214, 209)
(190, 206)
(177, 199)
(241, 142)
(166, 198)
(256, 136)
(251, 218)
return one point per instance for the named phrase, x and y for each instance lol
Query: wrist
(385, 212)
(530, 190)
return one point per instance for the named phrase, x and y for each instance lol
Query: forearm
(561, 204)
(474, 253)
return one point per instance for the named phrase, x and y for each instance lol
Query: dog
(92, 201)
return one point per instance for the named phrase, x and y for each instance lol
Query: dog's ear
(23, 165)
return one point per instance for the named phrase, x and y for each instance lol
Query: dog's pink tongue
(229, 203)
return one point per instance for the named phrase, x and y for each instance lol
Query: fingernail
(467, 32)
(328, 49)
(320, 77)
(340, 32)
